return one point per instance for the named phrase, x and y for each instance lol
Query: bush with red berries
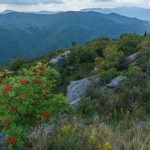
(27, 101)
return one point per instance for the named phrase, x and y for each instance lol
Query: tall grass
(76, 135)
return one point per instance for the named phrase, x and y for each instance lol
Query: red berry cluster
(7, 88)
(11, 140)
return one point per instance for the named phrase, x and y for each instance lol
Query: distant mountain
(39, 12)
(46, 12)
(31, 35)
(136, 12)
(7, 11)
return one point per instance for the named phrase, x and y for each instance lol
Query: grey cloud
(29, 2)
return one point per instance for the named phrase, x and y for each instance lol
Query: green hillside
(32, 35)
(36, 111)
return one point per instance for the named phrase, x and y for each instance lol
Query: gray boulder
(132, 57)
(116, 82)
(144, 123)
(59, 60)
(79, 88)
(71, 67)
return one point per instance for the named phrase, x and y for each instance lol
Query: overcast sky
(63, 5)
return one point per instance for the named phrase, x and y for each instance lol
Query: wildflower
(92, 139)
(107, 146)
(41, 67)
(100, 132)
(133, 140)
(45, 114)
(37, 81)
(66, 128)
(99, 146)
(23, 81)
(7, 88)
(14, 110)
(6, 123)
(11, 140)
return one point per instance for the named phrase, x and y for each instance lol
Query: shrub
(27, 100)
(17, 64)
(107, 75)
(86, 107)
(132, 70)
(128, 43)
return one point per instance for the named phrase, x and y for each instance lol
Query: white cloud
(29, 2)
(74, 5)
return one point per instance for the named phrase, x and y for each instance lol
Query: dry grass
(97, 136)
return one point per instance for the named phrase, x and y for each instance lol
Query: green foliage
(27, 100)
(132, 70)
(85, 107)
(107, 65)
(128, 43)
(108, 75)
(17, 64)
(81, 54)
(32, 96)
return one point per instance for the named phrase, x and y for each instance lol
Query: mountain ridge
(31, 35)
(136, 12)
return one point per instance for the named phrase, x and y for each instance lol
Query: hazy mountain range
(31, 35)
(38, 12)
(136, 12)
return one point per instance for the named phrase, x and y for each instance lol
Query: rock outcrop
(132, 57)
(115, 82)
(144, 123)
(59, 60)
(79, 88)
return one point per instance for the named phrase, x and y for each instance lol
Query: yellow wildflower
(133, 140)
(66, 128)
(99, 146)
(107, 146)
(92, 139)
(100, 132)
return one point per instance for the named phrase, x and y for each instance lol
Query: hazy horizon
(67, 5)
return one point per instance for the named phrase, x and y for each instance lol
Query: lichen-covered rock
(79, 88)
(59, 60)
(132, 57)
(72, 103)
(71, 67)
(144, 123)
(115, 82)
